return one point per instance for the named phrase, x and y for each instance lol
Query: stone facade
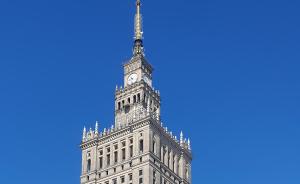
(137, 149)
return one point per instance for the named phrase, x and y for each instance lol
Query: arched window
(119, 105)
(169, 158)
(138, 98)
(187, 172)
(178, 161)
(134, 99)
(89, 165)
(128, 100)
(174, 160)
(164, 153)
(154, 146)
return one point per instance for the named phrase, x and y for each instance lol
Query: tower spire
(138, 22)
(138, 30)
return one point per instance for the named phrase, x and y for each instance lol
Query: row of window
(166, 156)
(122, 179)
(105, 160)
(135, 99)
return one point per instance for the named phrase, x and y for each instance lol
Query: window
(187, 174)
(178, 166)
(174, 159)
(116, 156)
(123, 154)
(141, 145)
(164, 153)
(169, 158)
(100, 162)
(138, 98)
(114, 181)
(140, 172)
(130, 177)
(131, 151)
(89, 165)
(154, 177)
(122, 179)
(119, 105)
(134, 99)
(128, 100)
(154, 146)
(108, 159)
(140, 180)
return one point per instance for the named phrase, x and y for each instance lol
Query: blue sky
(228, 72)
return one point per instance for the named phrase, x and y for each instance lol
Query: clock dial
(146, 79)
(132, 78)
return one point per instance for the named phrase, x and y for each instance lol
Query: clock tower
(138, 98)
(137, 149)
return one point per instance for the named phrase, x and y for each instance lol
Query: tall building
(137, 149)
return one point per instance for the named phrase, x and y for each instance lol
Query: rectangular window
(100, 162)
(141, 145)
(138, 97)
(140, 172)
(108, 159)
(123, 154)
(116, 156)
(131, 151)
(123, 179)
(141, 181)
(119, 105)
(130, 177)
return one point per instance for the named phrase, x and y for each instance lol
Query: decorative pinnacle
(96, 127)
(189, 144)
(84, 133)
(181, 138)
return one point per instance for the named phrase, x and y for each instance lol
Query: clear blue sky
(228, 72)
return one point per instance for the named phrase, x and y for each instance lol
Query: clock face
(132, 78)
(146, 79)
